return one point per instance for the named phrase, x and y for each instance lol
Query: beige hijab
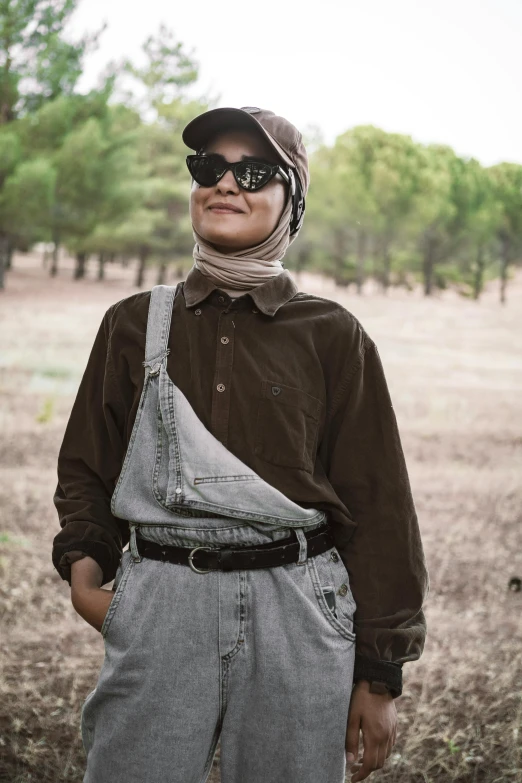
(239, 273)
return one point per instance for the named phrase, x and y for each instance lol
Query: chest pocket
(287, 426)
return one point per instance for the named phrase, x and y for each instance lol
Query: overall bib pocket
(332, 590)
(120, 581)
(287, 426)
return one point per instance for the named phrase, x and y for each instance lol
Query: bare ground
(455, 373)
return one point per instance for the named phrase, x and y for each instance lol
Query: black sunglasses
(250, 174)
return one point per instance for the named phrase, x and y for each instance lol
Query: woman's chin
(224, 243)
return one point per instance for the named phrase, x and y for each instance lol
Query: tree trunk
(143, 254)
(478, 279)
(79, 272)
(504, 265)
(9, 258)
(3, 259)
(101, 266)
(54, 265)
(339, 260)
(45, 257)
(428, 263)
(361, 261)
(162, 270)
(386, 267)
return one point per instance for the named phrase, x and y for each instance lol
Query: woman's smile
(225, 209)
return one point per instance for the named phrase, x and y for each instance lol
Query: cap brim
(202, 128)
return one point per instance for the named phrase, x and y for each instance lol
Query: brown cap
(284, 137)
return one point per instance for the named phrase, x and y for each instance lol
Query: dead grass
(455, 374)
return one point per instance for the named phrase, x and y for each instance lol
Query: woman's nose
(227, 183)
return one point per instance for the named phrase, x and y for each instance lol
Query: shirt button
(197, 311)
(221, 299)
(220, 387)
(343, 590)
(334, 556)
(225, 340)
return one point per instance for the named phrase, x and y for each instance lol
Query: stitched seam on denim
(242, 620)
(224, 687)
(158, 454)
(240, 513)
(211, 752)
(130, 448)
(224, 479)
(116, 599)
(173, 440)
(170, 298)
(191, 528)
(167, 318)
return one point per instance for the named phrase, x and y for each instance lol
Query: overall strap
(158, 324)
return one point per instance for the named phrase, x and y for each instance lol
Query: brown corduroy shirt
(329, 440)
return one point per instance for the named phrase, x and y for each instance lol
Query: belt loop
(133, 545)
(303, 545)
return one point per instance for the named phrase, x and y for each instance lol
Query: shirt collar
(268, 297)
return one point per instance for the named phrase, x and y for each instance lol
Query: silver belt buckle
(191, 555)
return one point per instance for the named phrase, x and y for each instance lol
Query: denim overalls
(255, 658)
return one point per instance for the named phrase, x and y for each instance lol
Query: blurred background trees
(102, 175)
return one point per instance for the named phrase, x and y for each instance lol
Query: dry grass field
(455, 373)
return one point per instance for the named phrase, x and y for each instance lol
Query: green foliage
(47, 411)
(37, 63)
(10, 153)
(8, 538)
(26, 199)
(168, 70)
(382, 206)
(156, 225)
(452, 747)
(107, 176)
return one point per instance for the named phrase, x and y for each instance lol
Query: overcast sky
(446, 71)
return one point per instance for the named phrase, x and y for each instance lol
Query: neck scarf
(238, 273)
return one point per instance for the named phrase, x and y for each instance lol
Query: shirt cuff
(71, 557)
(384, 671)
(95, 549)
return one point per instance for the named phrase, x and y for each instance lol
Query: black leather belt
(205, 558)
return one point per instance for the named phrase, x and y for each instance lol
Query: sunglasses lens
(205, 169)
(208, 169)
(252, 175)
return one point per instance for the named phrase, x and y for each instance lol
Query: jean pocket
(85, 723)
(345, 602)
(120, 581)
(332, 591)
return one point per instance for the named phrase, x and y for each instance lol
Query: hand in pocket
(92, 604)
(89, 599)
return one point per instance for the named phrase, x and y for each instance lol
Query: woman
(275, 577)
